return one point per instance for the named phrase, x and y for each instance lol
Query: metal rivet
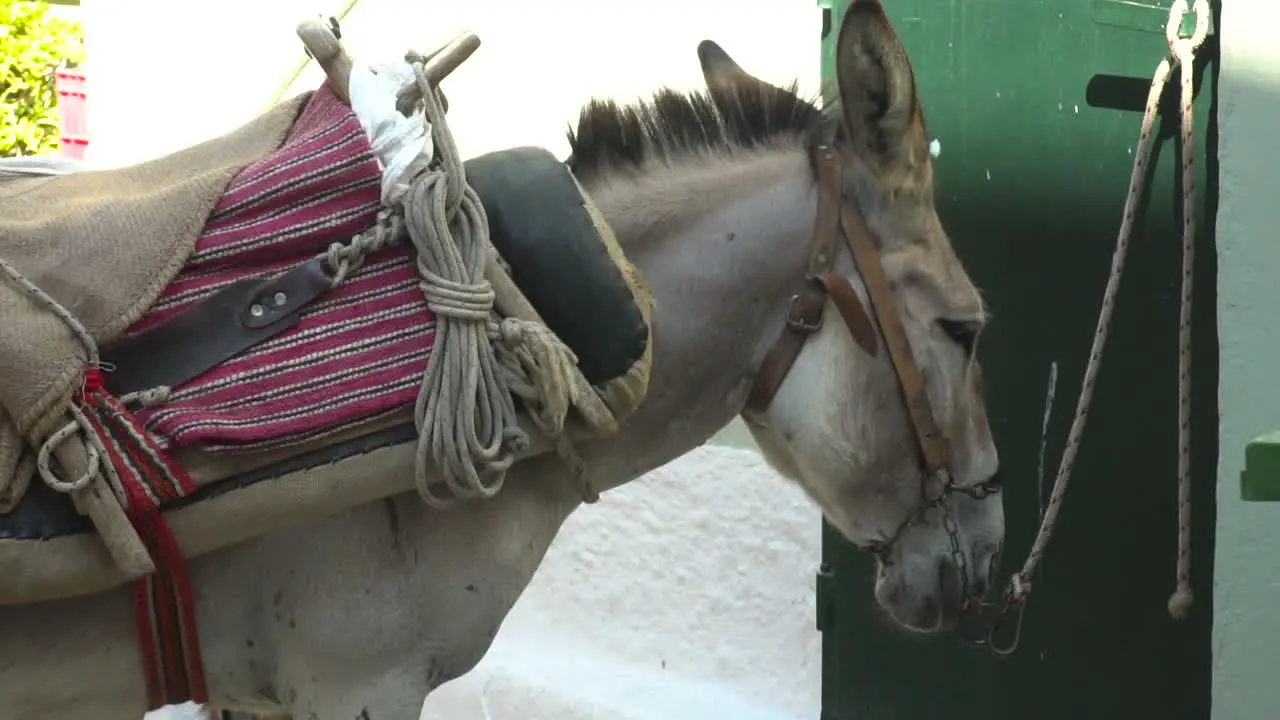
(257, 310)
(280, 299)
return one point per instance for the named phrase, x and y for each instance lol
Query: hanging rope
(1182, 56)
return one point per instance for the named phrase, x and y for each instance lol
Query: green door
(1035, 105)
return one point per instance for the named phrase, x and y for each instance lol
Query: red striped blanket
(359, 351)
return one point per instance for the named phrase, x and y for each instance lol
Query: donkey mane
(614, 138)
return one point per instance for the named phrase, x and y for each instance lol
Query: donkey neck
(722, 245)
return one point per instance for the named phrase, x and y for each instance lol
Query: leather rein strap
(838, 217)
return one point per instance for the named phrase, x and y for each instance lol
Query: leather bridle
(839, 217)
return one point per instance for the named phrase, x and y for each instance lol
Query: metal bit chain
(952, 529)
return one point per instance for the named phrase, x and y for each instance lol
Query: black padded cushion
(538, 222)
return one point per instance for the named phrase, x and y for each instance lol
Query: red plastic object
(72, 106)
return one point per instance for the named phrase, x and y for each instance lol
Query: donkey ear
(721, 72)
(878, 93)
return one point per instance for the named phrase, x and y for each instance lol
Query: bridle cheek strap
(838, 218)
(933, 446)
(804, 315)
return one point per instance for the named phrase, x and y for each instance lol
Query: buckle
(797, 323)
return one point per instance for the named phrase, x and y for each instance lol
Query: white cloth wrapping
(396, 140)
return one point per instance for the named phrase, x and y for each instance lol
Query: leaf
(33, 42)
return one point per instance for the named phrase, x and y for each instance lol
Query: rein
(839, 217)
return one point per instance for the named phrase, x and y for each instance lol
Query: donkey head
(838, 424)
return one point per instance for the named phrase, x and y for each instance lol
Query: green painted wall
(1246, 632)
(1036, 107)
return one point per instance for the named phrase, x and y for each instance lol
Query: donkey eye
(964, 332)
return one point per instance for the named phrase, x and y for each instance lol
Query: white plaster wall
(1247, 564)
(687, 595)
(169, 73)
(684, 596)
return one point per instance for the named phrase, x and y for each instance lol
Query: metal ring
(1178, 12)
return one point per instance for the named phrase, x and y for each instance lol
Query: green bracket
(1143, 16)
(1260, 479)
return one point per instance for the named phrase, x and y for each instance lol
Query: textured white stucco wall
(1247, 573)
(687, 595)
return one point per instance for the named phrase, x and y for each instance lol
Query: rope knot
(511, 332)
(516, 439)
(540, 369)
(1018, 589)
(1180, 602)
(457, 299)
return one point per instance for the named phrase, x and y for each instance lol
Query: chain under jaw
(978, 491)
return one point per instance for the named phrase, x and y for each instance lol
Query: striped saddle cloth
(359, 351)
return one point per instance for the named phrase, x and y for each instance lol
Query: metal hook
(972, 630)
(1011, 606)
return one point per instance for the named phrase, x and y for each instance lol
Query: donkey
(712, 195)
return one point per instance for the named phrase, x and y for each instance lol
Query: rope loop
(1178, 12)
(44, 465)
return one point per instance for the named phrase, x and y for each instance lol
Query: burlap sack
(104, 245)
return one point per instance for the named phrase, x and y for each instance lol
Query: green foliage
(33, 42)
